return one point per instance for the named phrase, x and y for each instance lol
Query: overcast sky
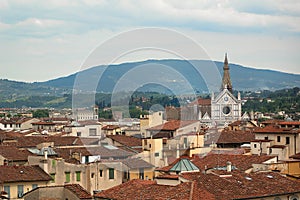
(42, 40)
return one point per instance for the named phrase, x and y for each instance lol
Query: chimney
(46, 154)
(177, 151)
(229, 166)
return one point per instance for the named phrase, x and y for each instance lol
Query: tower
(226, 82)
(225, 107)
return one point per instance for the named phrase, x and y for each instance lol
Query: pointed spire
(226, 82)
(226, 60)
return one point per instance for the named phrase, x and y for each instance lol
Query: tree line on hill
(286, 100)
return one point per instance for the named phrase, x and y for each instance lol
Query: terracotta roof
(44, 123)
(241, 162)
(200, 101)
(239, 136)
(289, 123)
(126, 140)
(102, 151)
(22, 174)
(12, 153)
(79, 191)
(14, 120)
(257, 140)
(168, 176)
(110, 127)
(270, 121)
(142, 189)
(32, 141)
(172, 125)
(242, 185)
(276, 130)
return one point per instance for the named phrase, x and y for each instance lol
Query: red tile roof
(289, 123)
(110, 127)
(79, 191)
(172, 125)
(240, 137)
(14, 120)
(32, 141)
(10, 174)
(241, 162)
(200, 101)
(126, 140)
(142, 189)
(242, 185)
(102, 151)
(44, 123)
(12, 153)
(277, 130)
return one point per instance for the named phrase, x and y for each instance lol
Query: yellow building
(17, 180)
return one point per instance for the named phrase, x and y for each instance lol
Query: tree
(40, 113)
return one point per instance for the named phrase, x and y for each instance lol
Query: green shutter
(78, 176)
(67, 177)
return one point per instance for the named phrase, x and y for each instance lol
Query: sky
(42, 40)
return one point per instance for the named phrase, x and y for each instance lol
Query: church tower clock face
(226, 110)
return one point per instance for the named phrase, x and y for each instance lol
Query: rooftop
(10, 174)
(228, 136)
(172, 125)
(143, 189)
(126, 140)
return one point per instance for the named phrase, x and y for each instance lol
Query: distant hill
(243, 79)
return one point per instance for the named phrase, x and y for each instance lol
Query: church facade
(225, 107)
(222, 109)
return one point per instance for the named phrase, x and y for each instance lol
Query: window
(126, 175)
(278, 138)
(20, 191)
(255, 146)
(53, 163)
(267, 138)
(156, 154)
(141, 173)
(294, 197)
(101, 173)
(78, 176)
(67, 174)
(34, 186)
(111, 173)
(53, 177)
(185, 141)
(5, 125)
(92, 132)
(7, 190)
(78, 134)
(287, 140)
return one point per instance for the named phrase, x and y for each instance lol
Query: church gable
(225, 97)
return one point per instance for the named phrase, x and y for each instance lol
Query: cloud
(216, 15)
(56, 35)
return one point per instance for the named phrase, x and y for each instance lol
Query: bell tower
(226, 82)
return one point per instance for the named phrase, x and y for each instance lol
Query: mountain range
(164, 76)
